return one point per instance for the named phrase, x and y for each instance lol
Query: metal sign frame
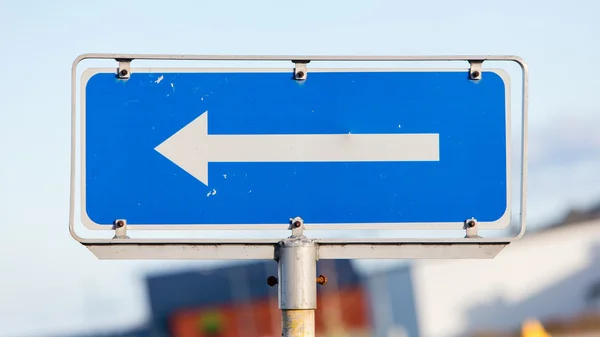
(123, 247)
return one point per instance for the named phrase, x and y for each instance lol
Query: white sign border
(500, 223)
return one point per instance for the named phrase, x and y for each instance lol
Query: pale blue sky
(49, 283)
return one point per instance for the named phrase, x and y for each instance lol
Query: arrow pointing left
(192, 148)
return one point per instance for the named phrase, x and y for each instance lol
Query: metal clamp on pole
(297, 271)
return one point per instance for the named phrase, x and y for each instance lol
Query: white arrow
(192, 148)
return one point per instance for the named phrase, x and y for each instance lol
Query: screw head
(300, 74)
(120, 223)
(272, 281)
(124, 72)
(475, 74)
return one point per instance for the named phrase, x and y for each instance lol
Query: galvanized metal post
(297, 271)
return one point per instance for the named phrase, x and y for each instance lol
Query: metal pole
(297, 271)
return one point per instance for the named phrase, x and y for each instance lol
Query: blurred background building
(551, 275)
(236, 301)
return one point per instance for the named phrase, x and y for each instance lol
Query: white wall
(543, 275)
(392, 301)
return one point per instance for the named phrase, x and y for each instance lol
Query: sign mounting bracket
(297, 227)
(120, 227)
(471, 229)
(300, 70)
(475, 69)
(124, 70)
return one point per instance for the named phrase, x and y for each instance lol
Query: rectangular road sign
(207, 147)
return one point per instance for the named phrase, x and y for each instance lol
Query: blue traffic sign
(257, 148)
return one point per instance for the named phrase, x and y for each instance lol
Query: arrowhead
(188, 149)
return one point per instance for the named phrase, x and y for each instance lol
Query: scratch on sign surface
(160, 79)
(213, 192)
